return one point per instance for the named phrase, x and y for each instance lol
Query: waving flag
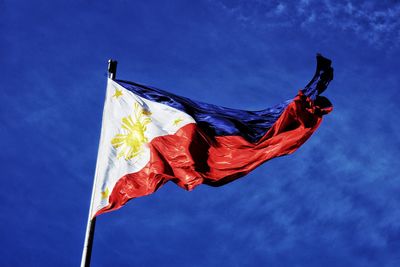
(150, 136)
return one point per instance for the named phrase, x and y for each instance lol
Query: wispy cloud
(376, 23)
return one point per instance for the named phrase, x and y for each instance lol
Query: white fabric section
(157, 119)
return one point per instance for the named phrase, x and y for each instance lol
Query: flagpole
(89, 236)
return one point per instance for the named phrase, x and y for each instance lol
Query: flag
(150, 136)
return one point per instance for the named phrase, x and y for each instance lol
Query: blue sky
(335, 202)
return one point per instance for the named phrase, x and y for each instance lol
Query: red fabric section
(190, 158)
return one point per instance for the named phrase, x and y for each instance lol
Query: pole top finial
(112, 69)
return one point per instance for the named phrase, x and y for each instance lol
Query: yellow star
(177, 121)
(117, 93)
(105, 194)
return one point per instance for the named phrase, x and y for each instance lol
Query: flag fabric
(150, 136)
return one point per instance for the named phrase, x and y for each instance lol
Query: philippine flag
(150, 136)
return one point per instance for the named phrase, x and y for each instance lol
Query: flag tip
(112, 68)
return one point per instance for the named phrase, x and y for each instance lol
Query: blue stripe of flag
(221, 121)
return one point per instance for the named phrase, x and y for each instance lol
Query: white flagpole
(87, 247)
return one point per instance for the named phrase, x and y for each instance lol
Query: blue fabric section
(322, 77)
(214, 120)
(217, 120)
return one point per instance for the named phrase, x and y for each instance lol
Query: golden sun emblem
(130, 143)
